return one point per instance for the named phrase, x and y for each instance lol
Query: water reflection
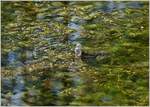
(11, 57)
(121, 5)
(134, 4)
(112, 5)
(16, 98)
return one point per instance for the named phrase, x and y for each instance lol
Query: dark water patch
(7, 85)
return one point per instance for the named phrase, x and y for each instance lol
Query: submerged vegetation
(38, 61)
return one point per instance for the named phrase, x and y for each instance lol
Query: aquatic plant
(38, 60)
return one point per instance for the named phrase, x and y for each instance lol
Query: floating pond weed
(39, 67)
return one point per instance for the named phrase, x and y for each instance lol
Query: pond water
(39, 66)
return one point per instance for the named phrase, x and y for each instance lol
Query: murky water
(39, 66)
(16, 98)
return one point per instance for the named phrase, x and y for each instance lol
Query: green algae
(35, 44)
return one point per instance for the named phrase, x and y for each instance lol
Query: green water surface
(38, 65)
